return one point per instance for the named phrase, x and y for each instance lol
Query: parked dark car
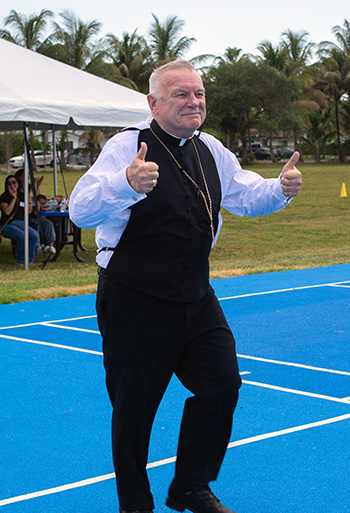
(285, 154)
(262, 154)
(258, 152)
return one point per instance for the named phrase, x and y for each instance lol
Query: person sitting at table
(41, 224)
(46, 226)
(12, 219)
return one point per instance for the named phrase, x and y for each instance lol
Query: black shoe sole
(174, 505)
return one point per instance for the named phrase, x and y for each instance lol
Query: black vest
(165, 246)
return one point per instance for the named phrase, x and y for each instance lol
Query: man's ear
(152, 102)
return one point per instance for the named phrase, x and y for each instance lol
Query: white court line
(71, 348)
(285, 290)
(297, 392)
(60, 346)
(289, 364)
(287, 431)
(159, 463)
(96, 332)
(47, 322)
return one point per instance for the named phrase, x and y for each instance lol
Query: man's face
(180, 107)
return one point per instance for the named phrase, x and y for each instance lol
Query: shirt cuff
(124, 190)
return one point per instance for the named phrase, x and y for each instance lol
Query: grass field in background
(314, 230)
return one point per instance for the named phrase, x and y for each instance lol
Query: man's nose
(193, 100)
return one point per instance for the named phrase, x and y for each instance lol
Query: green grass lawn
(314, 230)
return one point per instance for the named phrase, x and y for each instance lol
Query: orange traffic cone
(343, 191)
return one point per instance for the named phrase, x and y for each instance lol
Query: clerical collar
(169, 139)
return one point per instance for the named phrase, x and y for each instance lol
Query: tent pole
(54, 151)
(26, 200)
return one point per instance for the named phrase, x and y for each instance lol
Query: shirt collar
(169, 139)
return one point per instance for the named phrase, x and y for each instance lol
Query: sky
(216, 25)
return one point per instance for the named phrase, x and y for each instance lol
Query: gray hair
(157, 75)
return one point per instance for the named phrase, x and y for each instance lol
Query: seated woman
(12, 219)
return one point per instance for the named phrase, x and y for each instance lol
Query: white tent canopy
(44, 92)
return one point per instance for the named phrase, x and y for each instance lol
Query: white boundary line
(297, 392)
(289, 364)
(337, 284)
(47, 322)
(51, 325)
(237, 443)
(287, 431)
(60, 346)
(99, 353)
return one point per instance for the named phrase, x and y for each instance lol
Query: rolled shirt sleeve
(104, 192)
(244, 193)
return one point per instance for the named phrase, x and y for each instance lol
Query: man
(154, 195)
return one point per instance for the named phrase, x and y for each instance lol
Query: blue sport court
(290, 445)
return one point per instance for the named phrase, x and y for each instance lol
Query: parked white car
(41, 159)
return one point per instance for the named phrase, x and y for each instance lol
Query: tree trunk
(318, 156)
(340, 155)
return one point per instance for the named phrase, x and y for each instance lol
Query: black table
(67, 233)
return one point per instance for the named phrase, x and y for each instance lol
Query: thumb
(141, 155)
(292, 161)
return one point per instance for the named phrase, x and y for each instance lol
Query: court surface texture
(290, 445)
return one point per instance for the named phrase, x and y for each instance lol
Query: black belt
(105, 249)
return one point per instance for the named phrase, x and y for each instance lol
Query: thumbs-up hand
(291, 177)
(142, 175)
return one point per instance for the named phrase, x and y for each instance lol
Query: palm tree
(132, 58)
(345, 115)
(318, 130)
(165, 41)
(75, 42)
(28, 31)
(335, 80)
(91, 140)
(231, 56)
(342, 35)
(276, 57)
(298, 48)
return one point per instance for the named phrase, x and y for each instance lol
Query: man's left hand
(291, 177)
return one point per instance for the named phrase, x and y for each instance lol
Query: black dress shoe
(199, 499)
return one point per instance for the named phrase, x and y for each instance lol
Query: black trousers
(145, 341)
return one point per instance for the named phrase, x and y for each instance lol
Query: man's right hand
(142, 175)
